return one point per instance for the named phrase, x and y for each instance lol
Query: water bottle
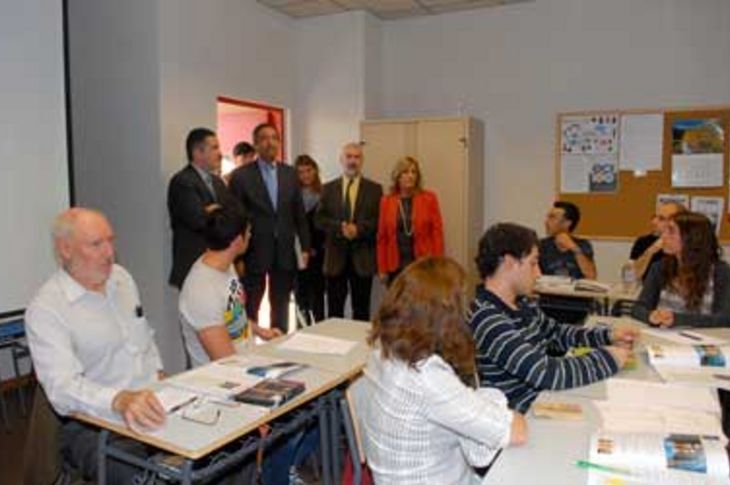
(628, 276)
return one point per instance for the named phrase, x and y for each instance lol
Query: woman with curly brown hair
(424, 421)
(691, 284)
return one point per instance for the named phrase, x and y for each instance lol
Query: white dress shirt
(423, 425)
(87, 346)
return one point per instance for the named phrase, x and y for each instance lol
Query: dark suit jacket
(329, 218)
(187, 197)
(272, 231)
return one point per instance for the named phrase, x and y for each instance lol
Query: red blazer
(428, 229)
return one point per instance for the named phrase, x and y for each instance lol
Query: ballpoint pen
(602, 468)
(178, 407)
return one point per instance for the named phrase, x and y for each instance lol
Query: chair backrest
(42, 462)
(622, 307)
(356, 395)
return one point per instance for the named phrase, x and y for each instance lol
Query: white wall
(337, 66)
(143, 74)
(517, 66)
(114, 64)
(231, 48)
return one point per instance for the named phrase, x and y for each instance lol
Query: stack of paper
(682, 337)
(317, 344)
(702, 365)
(657, 433)
(659, 458)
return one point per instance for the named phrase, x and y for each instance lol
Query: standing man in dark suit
(269, 191)
(194, 191)
(348, 215)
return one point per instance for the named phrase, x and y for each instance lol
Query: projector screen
(34, 168)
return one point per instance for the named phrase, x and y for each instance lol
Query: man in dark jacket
(194, 191)
(269, 191)
(348, 215)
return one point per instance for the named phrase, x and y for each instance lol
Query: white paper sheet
(574, 174)
(698, 170)
(712, 207)
(642, 137)
(631, 392)
(595, 134)
(719, 379)
(682, 199)
(687, 337)
(317, 344)
(621, 418)
(665, 458)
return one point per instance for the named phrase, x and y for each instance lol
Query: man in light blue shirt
(269, 191)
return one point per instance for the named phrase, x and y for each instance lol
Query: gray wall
(115, 89)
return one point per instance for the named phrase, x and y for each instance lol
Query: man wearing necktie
(192, 192)
(269, 191)
(348, 215)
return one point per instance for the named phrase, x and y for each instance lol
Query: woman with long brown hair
(424, 421)
(691, 284)
(310, 281)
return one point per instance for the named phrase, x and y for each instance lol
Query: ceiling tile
(311, 8)
(279, 3)
(385, 9)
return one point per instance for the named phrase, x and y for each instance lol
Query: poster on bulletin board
(589, 153)
(617, 164)
(697, 152)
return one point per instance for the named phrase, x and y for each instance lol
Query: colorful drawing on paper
(685, 452)
(710, 355)
(604, 175)
(590, 134)
(697, 136)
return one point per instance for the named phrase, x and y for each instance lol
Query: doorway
(236, 120)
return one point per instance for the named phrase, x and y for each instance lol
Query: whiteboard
(34, 175)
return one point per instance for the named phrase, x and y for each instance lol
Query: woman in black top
(310, 281)
(691, 284)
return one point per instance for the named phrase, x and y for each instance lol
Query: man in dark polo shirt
(561, 253)
(647, 249)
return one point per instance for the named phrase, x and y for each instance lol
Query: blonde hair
(401, 166)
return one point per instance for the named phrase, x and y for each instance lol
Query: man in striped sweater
(516, 343)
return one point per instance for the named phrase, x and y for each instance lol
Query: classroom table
(554, 446)
(192, 441)
(605, 299)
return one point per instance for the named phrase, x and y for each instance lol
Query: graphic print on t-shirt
(234, 317)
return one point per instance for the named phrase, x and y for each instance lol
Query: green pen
(587, 465)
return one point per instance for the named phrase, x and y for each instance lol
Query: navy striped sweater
(515, 350)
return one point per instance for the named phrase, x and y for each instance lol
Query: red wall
(236, 127)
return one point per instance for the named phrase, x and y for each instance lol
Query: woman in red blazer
(410, 224)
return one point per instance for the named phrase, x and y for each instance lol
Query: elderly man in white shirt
(92, 348)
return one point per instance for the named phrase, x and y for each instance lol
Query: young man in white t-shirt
(214, 322)
(212, 300)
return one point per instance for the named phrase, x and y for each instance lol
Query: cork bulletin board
(622, 208)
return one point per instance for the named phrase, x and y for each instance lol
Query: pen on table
(602, 468)
(690, 336)
(178, 407)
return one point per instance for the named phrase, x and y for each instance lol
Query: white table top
(551, 451)
(352, 330)
(554, 446)
(194, 440)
